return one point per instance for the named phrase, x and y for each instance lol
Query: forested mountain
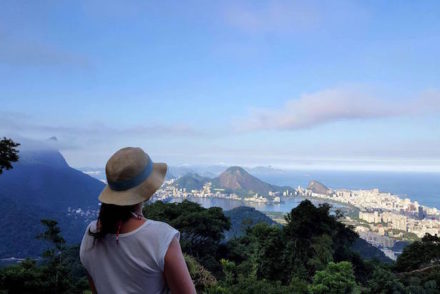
(43, 178)
(368, 251)
(232, 180)
(243, 218)
(43, 185)
(191, 181)
(21, 224)
(238, 180)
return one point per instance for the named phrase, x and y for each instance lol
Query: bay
(418, 186)
(227, 204)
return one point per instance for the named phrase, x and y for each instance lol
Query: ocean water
(421, 187)
(285, 206)
(418, 186)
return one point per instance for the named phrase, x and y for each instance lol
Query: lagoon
(227, 204)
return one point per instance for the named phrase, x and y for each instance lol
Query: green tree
(312, 234)
(322, 252)
(8, 153)
(384, 282)
(52, 235)
(201, 277)
(419, 254)
(201, 229)
(424, 280)
(311, 239)
(267, 251)
(54, 267)
(59, 271)
(336, 278)
(236, 282)
(25, 277)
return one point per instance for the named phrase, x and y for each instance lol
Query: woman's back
(133, 264)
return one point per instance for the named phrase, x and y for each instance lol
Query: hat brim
(138, 194)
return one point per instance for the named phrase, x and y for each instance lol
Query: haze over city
(344, 85)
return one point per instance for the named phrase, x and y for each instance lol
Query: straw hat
(132, 177)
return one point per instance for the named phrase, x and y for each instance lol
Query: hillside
(244, 217)
(191, 181)
(368, 251)
(241, 182)
(43, 185)
(22, 221)
(44, 179)
(319, 188)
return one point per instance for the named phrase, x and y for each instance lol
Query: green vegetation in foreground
(8, 154)
(311, 253)
(59, 270)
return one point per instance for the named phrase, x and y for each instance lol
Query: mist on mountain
(42, 185)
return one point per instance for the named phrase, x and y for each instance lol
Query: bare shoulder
(173, 251)
(160, 224)
(162, 227)
(176, 271)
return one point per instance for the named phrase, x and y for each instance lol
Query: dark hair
(110, 218)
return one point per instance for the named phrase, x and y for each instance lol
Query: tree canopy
(58, 272)
(336, 278)
(201, 230)
(8, 153)
(310, 254)
(423, 253)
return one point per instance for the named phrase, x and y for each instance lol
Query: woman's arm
(91, 284)
(176, 271)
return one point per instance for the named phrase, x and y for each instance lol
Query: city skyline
(290, 84)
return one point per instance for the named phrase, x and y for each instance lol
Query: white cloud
(16, 124)
(331, 105)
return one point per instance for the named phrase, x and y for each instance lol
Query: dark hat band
(131, 183)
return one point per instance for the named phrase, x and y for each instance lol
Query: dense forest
(310, 254)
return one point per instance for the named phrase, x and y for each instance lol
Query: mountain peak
(191, 181)
(319, 188)
(236, 170)
(49, 157)
(238, 179)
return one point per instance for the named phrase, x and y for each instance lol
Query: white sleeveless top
(135, 265)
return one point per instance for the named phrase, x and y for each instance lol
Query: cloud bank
(319, 108)
(74, 136)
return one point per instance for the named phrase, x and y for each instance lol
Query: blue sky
(310, 84)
